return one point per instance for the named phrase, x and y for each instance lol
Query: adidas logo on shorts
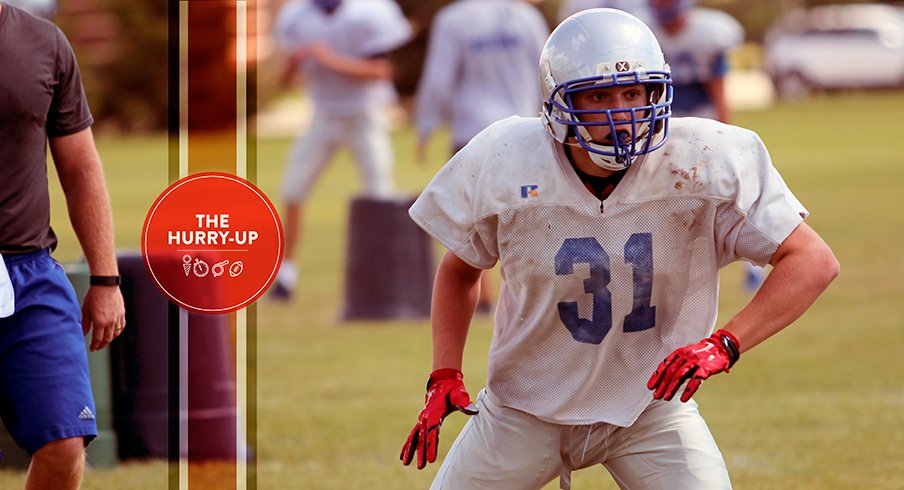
(86, 414)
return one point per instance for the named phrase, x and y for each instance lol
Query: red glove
(445, 394)
(694, 362)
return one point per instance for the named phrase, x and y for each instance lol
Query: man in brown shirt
(46, 401)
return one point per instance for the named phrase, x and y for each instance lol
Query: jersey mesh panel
(740, 239)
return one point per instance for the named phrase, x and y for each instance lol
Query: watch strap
(105, 280)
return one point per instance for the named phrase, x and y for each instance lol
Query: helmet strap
(608, 162)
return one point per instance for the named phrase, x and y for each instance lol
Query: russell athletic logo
(530, 190)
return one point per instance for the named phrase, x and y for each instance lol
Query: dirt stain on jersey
(690, 177)
(690, 221)
(685, 177)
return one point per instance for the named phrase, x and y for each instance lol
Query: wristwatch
(105, 280)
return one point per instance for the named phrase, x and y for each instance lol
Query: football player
(340, 48)
(611, 221)
(480, 68)
(696, 42)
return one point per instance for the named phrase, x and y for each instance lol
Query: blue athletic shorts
(45, 389)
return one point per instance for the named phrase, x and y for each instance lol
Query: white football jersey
(357, 29)
(481, 66)
(596, 294)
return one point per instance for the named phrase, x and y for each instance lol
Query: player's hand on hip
(446, 393)
(104, 312)
(694, 363)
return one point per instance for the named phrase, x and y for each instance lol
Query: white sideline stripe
(241, 82)
(241, 316)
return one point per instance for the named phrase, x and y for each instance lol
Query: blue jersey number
(638, 253)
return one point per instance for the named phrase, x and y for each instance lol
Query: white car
(836, 46)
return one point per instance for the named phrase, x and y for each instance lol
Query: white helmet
(599, 48)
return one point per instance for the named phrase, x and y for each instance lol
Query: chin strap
(622, 149)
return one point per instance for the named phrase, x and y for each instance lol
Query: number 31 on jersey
(587, 250)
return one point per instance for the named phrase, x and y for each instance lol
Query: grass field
(820, 406)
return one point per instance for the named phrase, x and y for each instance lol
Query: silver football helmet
(599, 48)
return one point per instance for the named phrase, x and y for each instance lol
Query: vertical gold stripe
(251, 393)
(183, 89)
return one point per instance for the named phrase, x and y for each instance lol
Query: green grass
(819, 406)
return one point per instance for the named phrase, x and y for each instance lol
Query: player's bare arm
(82, 179)
(288, 71)
(803, 267)
(455, 293)
(373, 68)
(716, 90)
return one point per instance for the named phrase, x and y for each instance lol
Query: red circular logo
(212, 242)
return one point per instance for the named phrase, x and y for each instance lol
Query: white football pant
(669, 447)
(366, 135)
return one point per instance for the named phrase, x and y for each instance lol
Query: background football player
(340, 48)
(480, 68)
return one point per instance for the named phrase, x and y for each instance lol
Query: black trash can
(390, 262)
(140, 361)
(211, 389)
(145, 398)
